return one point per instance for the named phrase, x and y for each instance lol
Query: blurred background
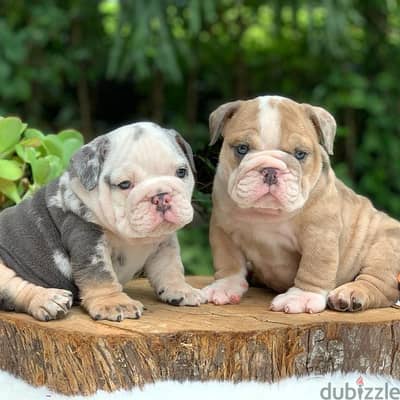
(95, 65)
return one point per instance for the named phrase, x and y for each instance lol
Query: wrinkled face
(144, 182)
(271, 156)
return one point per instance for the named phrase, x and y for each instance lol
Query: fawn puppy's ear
(219, 117)
(324, 124)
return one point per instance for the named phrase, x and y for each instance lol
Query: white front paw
(296, 301)
(181, 295)
(226, 290)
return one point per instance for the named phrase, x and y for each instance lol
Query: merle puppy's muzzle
(162, 201)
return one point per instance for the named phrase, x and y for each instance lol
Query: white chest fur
(272, 249)
(129, 258)
(265, 234)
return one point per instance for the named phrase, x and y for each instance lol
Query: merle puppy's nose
(270, 175)
(162, 201)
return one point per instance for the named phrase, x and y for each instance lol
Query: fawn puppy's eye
(181, 172)
(300, 154)
(124, 185)
(242, 149)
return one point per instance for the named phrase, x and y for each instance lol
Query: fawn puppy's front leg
(230, 269)
(316, 275)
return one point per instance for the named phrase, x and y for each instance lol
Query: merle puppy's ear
(324, 124)
(87, 163)
(219, 117)
(185, 147)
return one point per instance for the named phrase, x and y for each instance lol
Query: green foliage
(152, 35)
(196, 256)
(45, 47)
(29, 159)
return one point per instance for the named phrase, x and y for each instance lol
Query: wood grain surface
(233, 342)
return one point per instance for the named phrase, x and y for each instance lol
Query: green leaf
(36, 136)
(26, 153)
(53, 145)
(11, 129)
(40, 170)
(63, 145)
(9, 189)
(56, 167)
(10, 170)
(70, 134)
(46, 169)
(33, 133)
(31, 142)
(69, 148)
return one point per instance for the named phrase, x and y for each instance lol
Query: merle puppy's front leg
(99, 290)
(166, 275)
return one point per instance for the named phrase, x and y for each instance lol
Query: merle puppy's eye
(300, 155)
(242, 149)
(181, 172)
(124, 185)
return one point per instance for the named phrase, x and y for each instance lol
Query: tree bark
(157, 97)
(192, 97)
(240, 72)
(239, 343)
(83, 94)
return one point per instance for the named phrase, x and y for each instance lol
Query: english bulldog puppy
(113, 214)
(280, 212)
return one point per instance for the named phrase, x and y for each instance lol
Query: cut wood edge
(80, 356)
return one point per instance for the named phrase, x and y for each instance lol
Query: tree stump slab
(77, 355)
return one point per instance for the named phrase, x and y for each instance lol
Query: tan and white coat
(305, 234)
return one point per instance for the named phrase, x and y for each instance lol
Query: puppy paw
(184, 295)
(296, 301)
(50, 304)
(116, 307)
(347, 297)
(226, 290)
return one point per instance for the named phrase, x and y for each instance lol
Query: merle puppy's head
(137, 180)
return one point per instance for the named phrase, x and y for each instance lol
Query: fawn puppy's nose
(270, 176)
